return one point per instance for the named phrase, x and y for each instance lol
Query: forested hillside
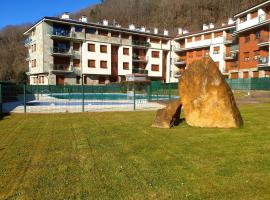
(170, 14)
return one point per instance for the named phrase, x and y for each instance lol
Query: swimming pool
(67, 103)
(112, 96)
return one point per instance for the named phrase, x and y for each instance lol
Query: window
(207, 36)
(76, 46)
(155, 40)
(218, 34)
(91, 63)
(198, 38)
(125, 36)
(34, 32)
(257, 35)
(34, 63)
(247, 39)
(126, 66)
(103, 64)
(246, 56)
(92, 47)
(114, 34)
(103, 48)
(126, 51)
(78, 29)
(254, 14)
(243, 19)
(34, 47)
(76, 63)
(103, 32)
(164, 41)
(155, 54)
(207, 53)
(78, 79)
(155, 67)
(189, 39)
(91, 31)
(216, 50)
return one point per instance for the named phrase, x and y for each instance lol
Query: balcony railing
(180, 61)
(61, 33)
(138, 58)
(27, 41)
(138, 70)
(62, 67)
(235, 48)
(230, 56)
(263, 60)
(264, 17)
(140, 43)
(61, 50)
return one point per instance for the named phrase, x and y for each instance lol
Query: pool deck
(89, 106)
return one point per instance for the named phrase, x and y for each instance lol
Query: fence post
(1, 100)
(134, 97)
(24, 98)
(82, 96)
(170, 91)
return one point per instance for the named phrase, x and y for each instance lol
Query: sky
(15, 12)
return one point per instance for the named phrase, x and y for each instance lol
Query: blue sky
(14, 12)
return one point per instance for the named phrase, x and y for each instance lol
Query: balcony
(263, 41)
(60, 33)
(137, 58)
(140, 43)
(61, 51)
(263, 62)
(228, 39)
(62, 68)
(235, 48)
(176, 74)
(230, 56)
(138, 70)
(264, 17)
(180, 61)
(27, 41)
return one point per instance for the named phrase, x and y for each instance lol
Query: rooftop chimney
(230, 21)
(205, 27)
(180, 31)
(155, 30)
(105, 22)
(211, 26)
(166, 32)
(84, 19)
(132, 27)
(65, 15)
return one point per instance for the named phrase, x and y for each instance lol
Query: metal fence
(84, 98)
(111, 97)
(249, 83)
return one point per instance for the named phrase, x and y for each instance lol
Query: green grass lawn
(119, 156)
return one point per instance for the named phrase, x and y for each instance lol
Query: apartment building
(216, 42)
(252, 29)
(63, 51)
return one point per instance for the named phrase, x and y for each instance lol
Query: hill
(169, 14)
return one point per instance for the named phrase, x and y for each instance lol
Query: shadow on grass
(3, 115)
(179, 122)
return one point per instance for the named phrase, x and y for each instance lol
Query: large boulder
(168, 116)
(207, 98)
